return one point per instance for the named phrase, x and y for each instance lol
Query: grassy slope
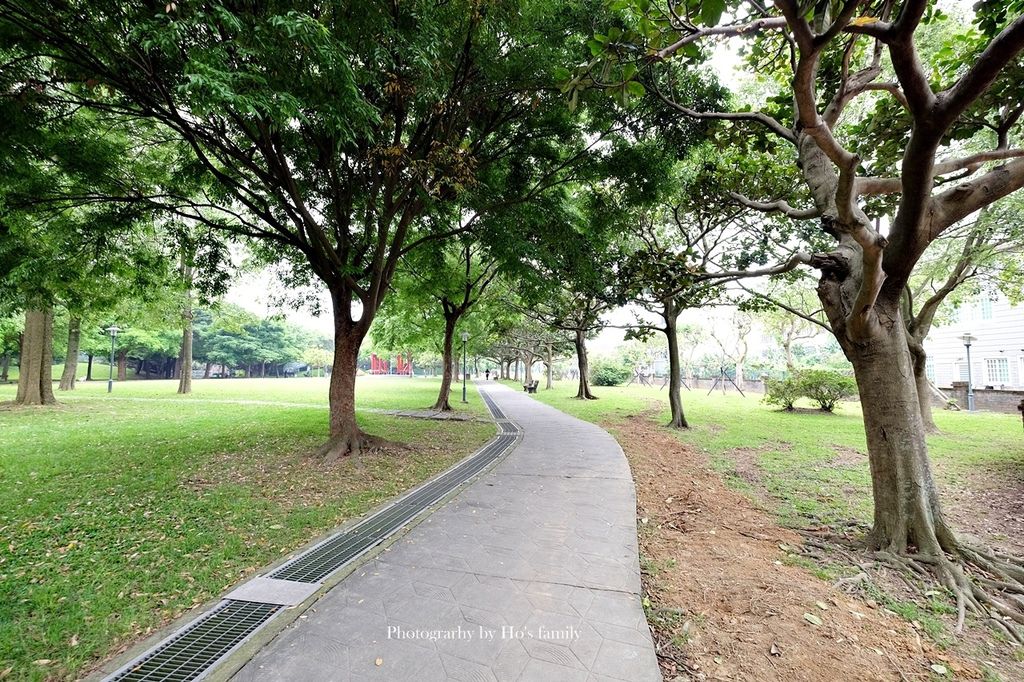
(118, 514)
(798, 452)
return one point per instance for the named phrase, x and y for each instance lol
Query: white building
(997, 350)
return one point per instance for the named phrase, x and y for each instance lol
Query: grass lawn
(100, 372)
(813, 465)
(121, 512)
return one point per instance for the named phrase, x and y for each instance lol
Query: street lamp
(967, 338)
(112, 330)
(465, 338)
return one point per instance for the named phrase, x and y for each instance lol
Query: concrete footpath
(531, 573)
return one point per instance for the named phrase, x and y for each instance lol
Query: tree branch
(986, 68)
(968, 197)
(777, 206)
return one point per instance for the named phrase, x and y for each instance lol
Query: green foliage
(823, 386)
(826, 387)
(609, 373)
(782, 392)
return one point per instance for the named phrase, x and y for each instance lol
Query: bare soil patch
(989, 507)
(728, 599)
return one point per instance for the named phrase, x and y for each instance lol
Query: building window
(997, 371)
(986, 308)
(929, 368)
(961, 370)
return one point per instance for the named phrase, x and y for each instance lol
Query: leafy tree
(329, 134)
(443, 284)
(903, 155)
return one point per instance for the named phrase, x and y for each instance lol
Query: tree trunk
(547, 385)
(207, 370)
(443, 395)
(528, 369)
(5, 366)
(675, 379)
(346, 438)
(67, 378)
(583, 392)
(35, 381)
(907, 510)
(515, 375)
(919, 358)
(739, 374)
(88, 369)
(185, 372)
(122, 365)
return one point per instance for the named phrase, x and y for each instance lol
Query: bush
(782, 392)
(605, 373)
(825, 387)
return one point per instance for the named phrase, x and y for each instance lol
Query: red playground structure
(400, 366)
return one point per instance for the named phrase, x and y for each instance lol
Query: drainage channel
(193, 651)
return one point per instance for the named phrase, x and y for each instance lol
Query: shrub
(825, 387)
(782, 392)
(605, 373)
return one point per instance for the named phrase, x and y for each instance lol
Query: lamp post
(967, 338)
(465, 338)
(112, 330)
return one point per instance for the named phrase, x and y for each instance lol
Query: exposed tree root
(353, 445)
(987, 585)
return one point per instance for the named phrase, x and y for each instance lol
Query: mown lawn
(99, 372)
(812, 464)
(121, 512)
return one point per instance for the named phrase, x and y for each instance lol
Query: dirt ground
(730, 597)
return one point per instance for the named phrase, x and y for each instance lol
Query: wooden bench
(532, 386)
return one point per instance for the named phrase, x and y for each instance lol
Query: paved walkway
(531, 573)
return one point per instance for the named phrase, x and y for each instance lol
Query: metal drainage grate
(188, 654)
(323, 559)
(327, 557)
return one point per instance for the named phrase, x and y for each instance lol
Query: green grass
(100, 372)
(121, 512)
(813, 464)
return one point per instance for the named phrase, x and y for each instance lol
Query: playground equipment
(399, 367)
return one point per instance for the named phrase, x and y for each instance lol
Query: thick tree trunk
(346, 438)
(528, 369)
(185, 372)
(207, 370)
(122, 365)
(583, 364)
(907, 510)
(675, 379)
(515, 376)
(88, 369)
(35, 381)
(739, 374)
(67, 378)
(447, 362)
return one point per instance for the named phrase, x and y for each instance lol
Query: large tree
(829, 55)
(330, 132)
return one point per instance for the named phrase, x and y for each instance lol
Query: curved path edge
(529, 573)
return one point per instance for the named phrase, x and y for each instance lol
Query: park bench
(531, 387)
